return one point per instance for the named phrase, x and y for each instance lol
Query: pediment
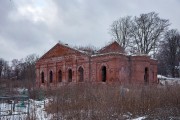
(112, 47)
(59, 50)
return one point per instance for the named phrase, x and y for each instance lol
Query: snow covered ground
(168, 81)
(36, 110)
(139, 118)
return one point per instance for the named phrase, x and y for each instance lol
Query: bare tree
(169, 53)
(29, 65)
(88, 49)
(6, 70)
(16, 67)
(3, 65)
(120, 30)
(146, 31)
(24, 69)
(141, 34)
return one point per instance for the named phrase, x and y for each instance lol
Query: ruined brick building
(64, 64)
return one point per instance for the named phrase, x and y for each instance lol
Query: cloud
(34, 26)
(24, 29)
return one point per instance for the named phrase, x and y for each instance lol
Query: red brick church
(64, 64)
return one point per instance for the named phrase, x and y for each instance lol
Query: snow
(116, 53)
(140, 55)
(139, 118)
(161, 77)
(168, 81)
(71, 47)
(36, 109)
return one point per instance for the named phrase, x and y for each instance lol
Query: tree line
(149, 34)
(22, 69)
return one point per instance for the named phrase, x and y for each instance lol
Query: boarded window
(60, 76)
(81, 74)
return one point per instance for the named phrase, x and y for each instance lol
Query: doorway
(42, 77)
(146, 75)
(103, 71)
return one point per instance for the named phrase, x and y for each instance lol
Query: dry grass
(106, 101)
(111, 101)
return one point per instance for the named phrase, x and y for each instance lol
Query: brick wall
(113, 66)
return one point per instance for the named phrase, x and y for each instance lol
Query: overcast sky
(34, 26)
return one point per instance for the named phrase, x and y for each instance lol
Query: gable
(113, 47)
(59, 50)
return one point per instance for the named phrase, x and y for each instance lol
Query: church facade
(63, 64)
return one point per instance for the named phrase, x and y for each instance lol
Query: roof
(61, 49)
(112, 47)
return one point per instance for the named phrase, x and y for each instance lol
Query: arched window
(42, 77)
(81, 74)
(60, 76)
(146, 75)
(103, 73)
(51, 77)
(69, 75)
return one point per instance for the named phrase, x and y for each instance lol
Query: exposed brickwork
(110, 64)
(113, 47)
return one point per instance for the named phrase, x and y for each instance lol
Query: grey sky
(34, 26)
